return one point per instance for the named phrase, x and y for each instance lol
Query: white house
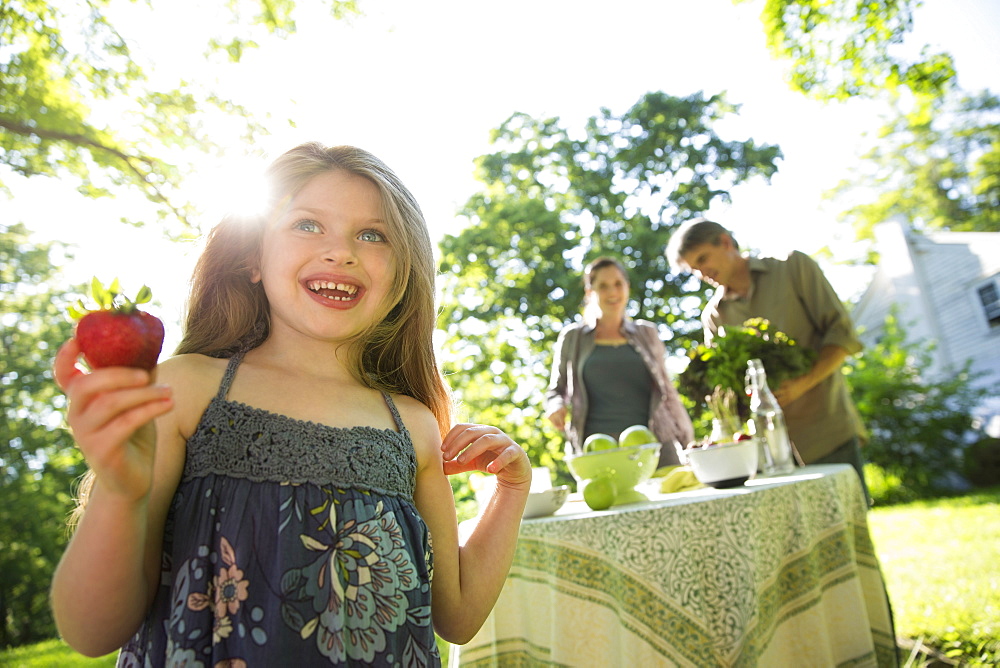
(946, 286)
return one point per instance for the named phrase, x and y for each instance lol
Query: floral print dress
(291, 543)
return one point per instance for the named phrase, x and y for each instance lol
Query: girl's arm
(468, 577)
(106, 579)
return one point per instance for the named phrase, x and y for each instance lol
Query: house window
(989, 297)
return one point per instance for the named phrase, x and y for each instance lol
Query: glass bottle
(768, 423)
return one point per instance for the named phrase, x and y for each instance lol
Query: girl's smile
(335, 293)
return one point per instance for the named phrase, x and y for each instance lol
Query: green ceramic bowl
(628, 466)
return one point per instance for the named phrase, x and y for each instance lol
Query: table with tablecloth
(778, 572)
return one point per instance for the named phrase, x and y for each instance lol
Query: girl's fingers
(99, 395)
(64, 368)
(460, 436)
(125, 424)
(471, 447)
(467, 441)
(501, 460)
(105, 406)
(73, 380)
(108, 405)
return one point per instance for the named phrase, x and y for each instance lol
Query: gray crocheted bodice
(241, 441)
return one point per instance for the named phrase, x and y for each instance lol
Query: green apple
(599, 493)
(598, 442)
(637, 434)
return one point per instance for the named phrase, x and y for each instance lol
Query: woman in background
(609, 371)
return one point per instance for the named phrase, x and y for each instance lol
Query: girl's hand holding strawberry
(111, 410)
(111, 414)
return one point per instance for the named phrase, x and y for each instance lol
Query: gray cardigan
(667, 417)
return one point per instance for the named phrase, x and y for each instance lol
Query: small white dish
(725, 464)
(546, 502)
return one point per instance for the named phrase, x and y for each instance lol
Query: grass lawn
(940, 559)
(52, 654)
(941, 563)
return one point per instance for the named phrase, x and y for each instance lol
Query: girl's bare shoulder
(421, 424)
(195, 380)
(416, 416)
(192, 368)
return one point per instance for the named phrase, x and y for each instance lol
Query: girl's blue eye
(371, 235)
(307, 225)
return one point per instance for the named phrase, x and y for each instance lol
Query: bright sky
(421, 84)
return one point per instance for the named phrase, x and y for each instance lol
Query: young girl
(273, 497)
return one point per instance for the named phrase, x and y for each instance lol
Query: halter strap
(227, 377)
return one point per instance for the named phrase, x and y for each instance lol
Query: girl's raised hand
(477, 447)
(111, 414)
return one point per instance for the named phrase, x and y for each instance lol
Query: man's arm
(829, 361)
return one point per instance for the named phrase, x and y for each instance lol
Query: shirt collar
(756, 265)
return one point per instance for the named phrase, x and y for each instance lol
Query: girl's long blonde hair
(228, 312)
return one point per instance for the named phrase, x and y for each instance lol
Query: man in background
(795, 296)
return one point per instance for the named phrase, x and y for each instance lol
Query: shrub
(919, 428)
(982, 462)
(886, 488)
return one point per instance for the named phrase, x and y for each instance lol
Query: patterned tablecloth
(780, 572)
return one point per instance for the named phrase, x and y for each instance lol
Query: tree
(937, 166)
(76, 101)
(554, 198)
(918, 427)
(38, 460)
(844, 48)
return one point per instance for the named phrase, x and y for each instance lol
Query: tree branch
(130, 161)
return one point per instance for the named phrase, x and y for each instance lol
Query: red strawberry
(118, 333)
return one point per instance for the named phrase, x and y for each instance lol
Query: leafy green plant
(38, 459)
(919, 428)
(886, 487)
(723, 363)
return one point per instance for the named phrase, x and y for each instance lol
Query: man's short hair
(690, 234)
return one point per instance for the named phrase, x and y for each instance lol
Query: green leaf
(145, 294)
(102, 296)
(78, 310)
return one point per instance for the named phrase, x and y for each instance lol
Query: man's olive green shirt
(794, 295)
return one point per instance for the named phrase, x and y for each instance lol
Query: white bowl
(725, 464)
(546, 502)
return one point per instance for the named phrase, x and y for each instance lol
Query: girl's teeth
(328, 285)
